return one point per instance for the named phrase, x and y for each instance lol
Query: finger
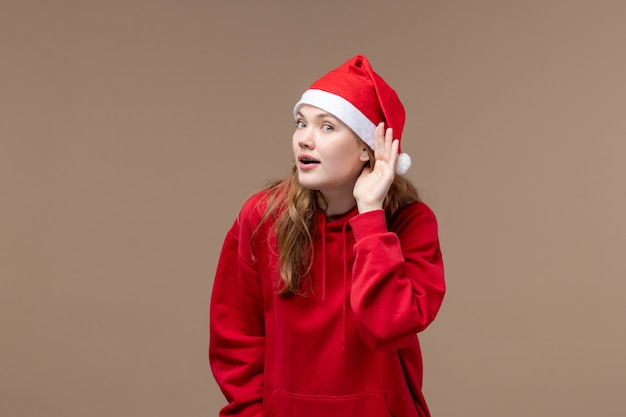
(388, 144)
(379, 141)
(393, 158)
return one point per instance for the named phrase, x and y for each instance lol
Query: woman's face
(328, 153)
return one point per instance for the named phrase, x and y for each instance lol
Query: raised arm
(398, 281)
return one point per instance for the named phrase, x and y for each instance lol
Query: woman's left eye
(328, 128)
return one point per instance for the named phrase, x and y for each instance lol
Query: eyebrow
(320, 115)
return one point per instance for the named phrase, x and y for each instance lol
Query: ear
(364, 156)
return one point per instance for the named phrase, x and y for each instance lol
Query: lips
(307, 160)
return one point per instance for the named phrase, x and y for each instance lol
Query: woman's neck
(337, 205)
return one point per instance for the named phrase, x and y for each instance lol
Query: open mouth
(308, 161)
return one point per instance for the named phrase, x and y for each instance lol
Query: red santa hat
(361, 99)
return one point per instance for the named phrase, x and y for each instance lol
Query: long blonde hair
(295, 211)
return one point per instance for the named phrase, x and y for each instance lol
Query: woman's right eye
(300, 124)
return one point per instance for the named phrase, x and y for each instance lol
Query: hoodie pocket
(286, 404)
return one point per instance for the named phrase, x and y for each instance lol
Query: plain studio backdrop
(132, 131)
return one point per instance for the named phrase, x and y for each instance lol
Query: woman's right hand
(373, 184)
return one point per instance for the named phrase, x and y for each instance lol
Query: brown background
(132, 131)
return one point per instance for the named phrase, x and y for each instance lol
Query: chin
(308, 184)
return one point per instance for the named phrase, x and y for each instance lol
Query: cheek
(347, 159)
(294, 143)
(351, 152)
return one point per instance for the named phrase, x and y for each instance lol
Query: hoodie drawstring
(323, 262)
(345, 279)
(344, 294)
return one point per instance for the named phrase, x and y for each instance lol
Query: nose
(305, 138)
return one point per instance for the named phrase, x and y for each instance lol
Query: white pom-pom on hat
(403, 164)
(361, 99)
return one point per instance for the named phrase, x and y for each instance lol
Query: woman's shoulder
(419, 208)
(250, 214)
(416, 216)
(255, 204)
(261, 207)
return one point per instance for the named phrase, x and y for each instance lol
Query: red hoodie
(348, 346)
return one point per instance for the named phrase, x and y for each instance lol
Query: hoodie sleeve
(397, 278)
(237, 341)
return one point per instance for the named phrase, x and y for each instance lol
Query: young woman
(327, 276)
